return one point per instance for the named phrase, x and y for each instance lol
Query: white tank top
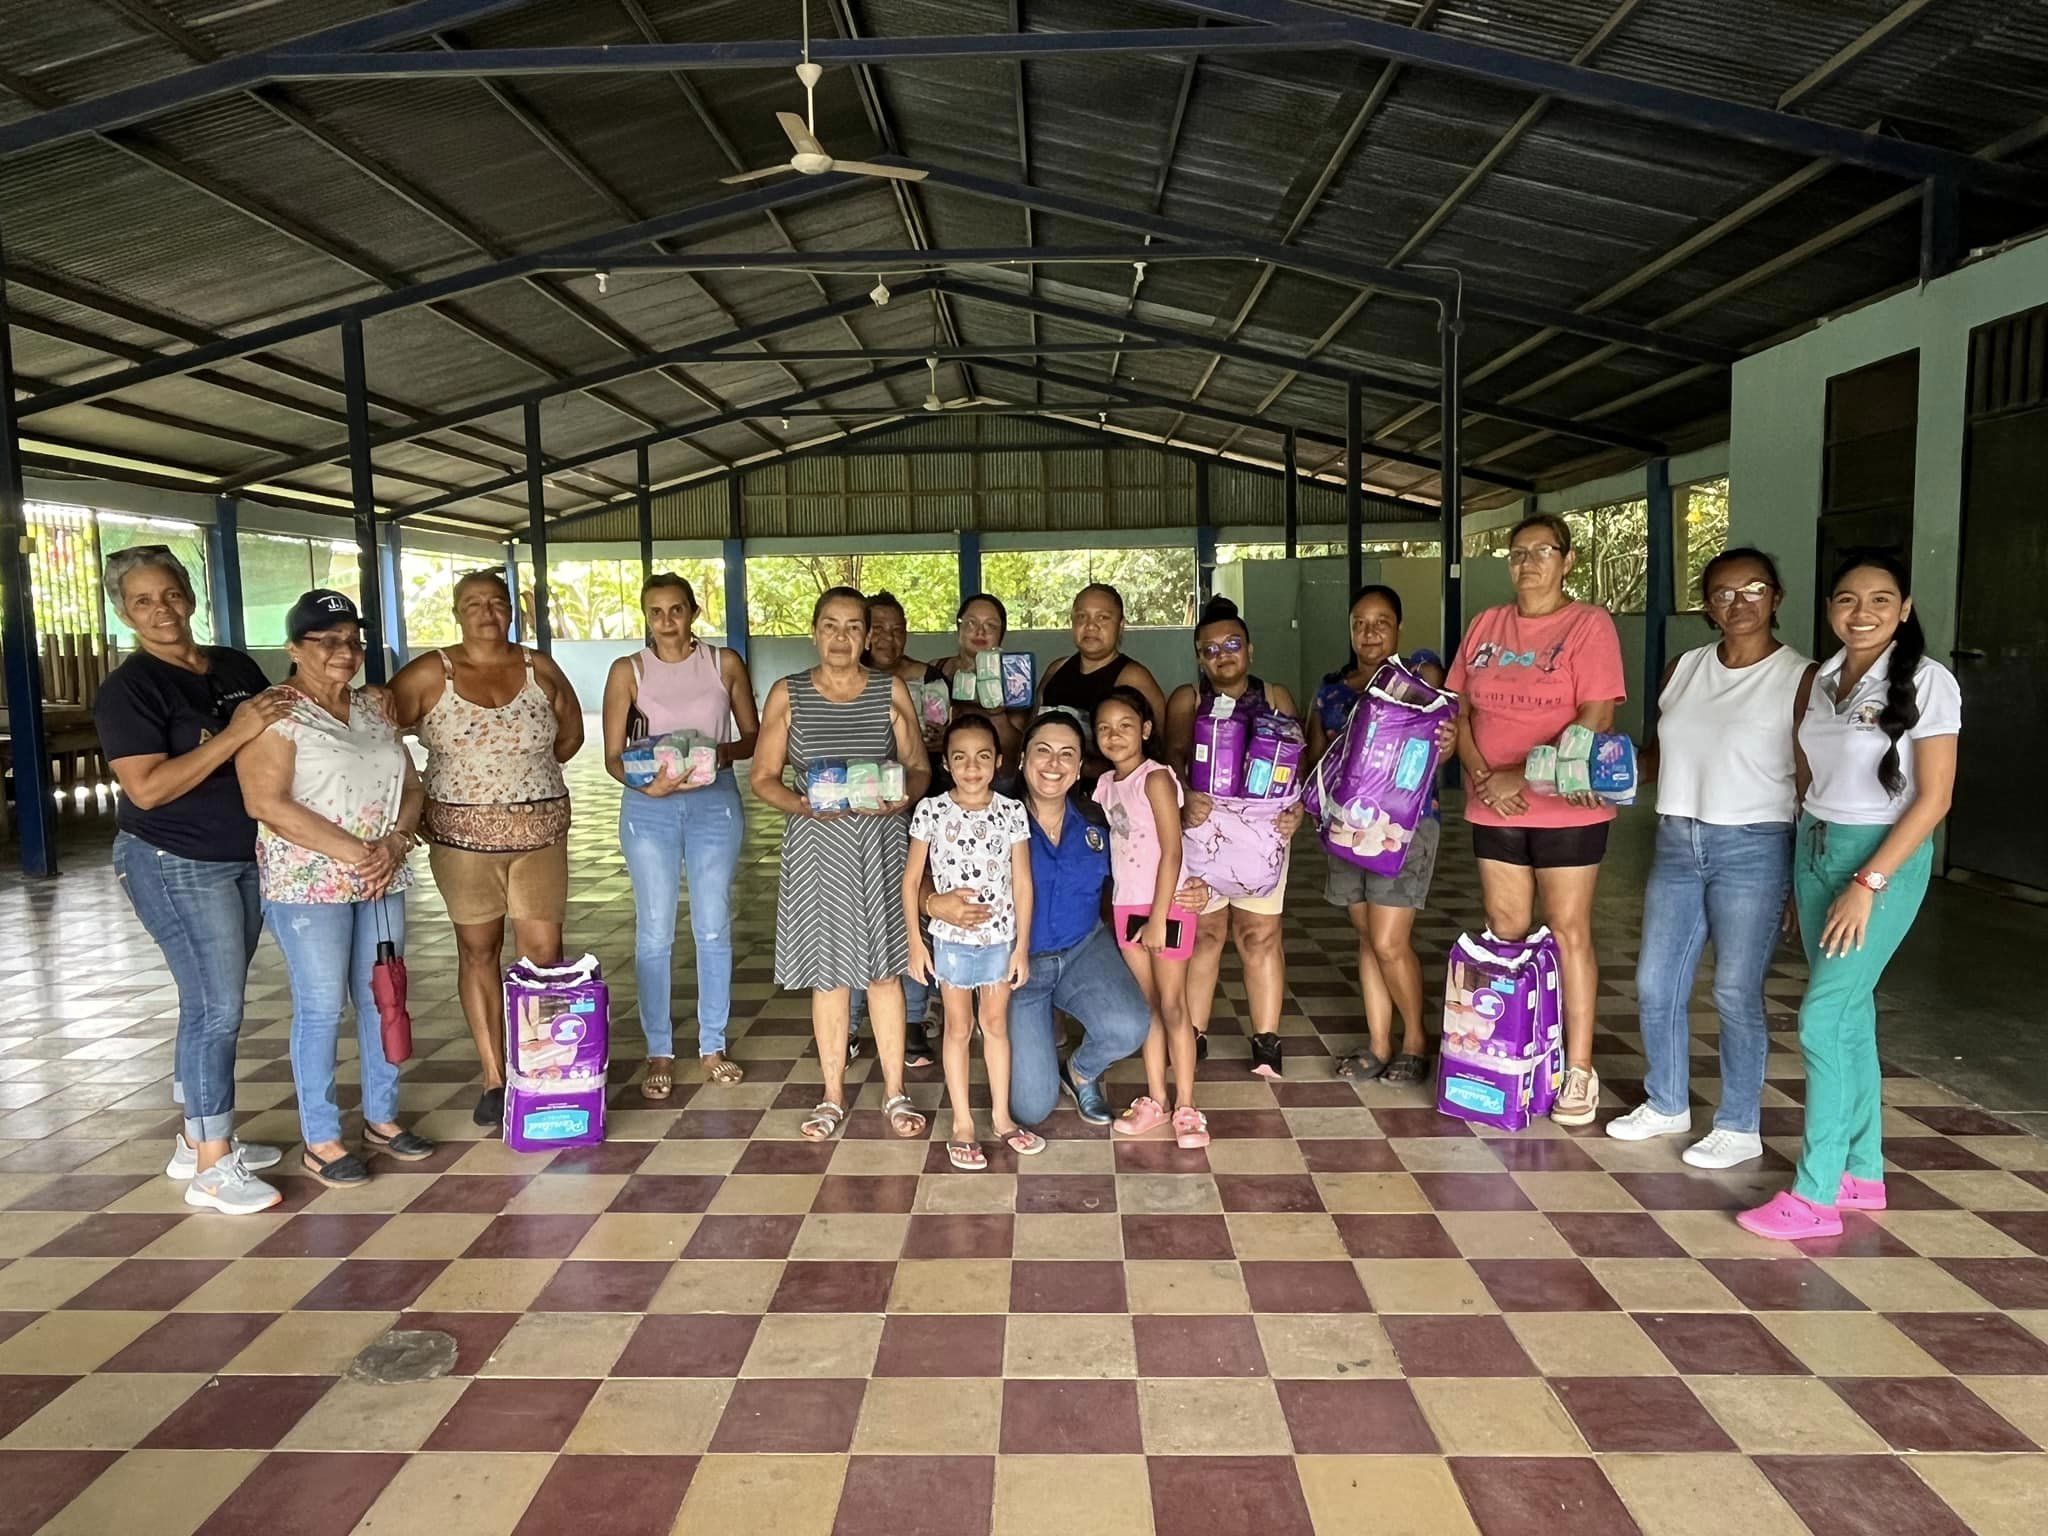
(1724, 739)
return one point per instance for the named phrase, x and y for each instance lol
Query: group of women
(299, 804)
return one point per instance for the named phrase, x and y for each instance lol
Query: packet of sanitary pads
(1574, 776)
(1574, 744)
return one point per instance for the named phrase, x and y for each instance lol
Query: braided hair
(1902, 697)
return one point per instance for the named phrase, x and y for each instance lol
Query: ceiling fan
(810, 157)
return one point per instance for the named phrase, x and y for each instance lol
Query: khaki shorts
(489, 887)
(1272, 904)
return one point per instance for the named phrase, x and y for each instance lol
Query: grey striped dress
(839, 906)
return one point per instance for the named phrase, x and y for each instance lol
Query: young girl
(1875, 755)
(1143, 797)
(979, 841)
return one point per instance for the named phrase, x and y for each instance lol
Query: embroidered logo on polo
(1095, 840)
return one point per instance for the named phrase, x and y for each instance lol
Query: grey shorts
(1348, 885)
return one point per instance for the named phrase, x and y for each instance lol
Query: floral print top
(352, 772)
(970, 851)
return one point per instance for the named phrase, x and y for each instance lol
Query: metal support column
(738, 628)
(28, 742)
(643, 500)
(1354, 488)
(517, 633)
(1205, 535)
(1451, 489)
(224, 557)
(1290, 493)
(1941, 232)
(392, 595)
(1658, 599)
(970, 564)
(537, 528)
(356, 398)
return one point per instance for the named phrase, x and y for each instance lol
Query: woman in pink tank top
(682, 824)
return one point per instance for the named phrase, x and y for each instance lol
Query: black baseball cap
(321, 608)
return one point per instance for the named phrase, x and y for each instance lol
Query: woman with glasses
(1726, 801)
(1223, 656)
(983, 623)
(337, 806)
(1526, 670)
(498, 721)
(171, 718)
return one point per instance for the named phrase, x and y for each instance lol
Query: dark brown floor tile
(12, 1323)
(529, 1237)
(688, 1344)
(1315, 1095)
(1541, 1154)
(743, 1237)
(1639, 1413)
(1346, 1418)
(146, 1285)
(1228, 1496)
(40, 1483)
(191, 1341)
(1962, 1120)
(1350, 1154)
(56, 1155)
(238, 1413)
(23, 1397)
(916, 1496)
(2019, 1285)
(1177, 1237)
(1304, 1285)
(497, 1413)
(1860, 1238)
(1719, 1344)
(1085, 1194)
(319, 1237)
(1975, 1344)
(372, 1285)
(835, 1285)
(107, 1236)
(695, 1124)
(1158, 1157)
(609, 1496)
(874, 1194)
(1543, 1285)
(477, 1335)
(1456, 1346)
(469, 1194)
(1782, 1285)
(79, 1191)
(917, 1345)
(1930, 1413)
(978, 1236)
(1615, 1235)
(1922, 1154)
(792, 1418)
(1418, 1122)
(306, 1493)
(1198, 1346)
(1903, 1192)
(786, 1157)
(1681, 1192)
(605, 1157)
(1473, 1192)
(667, 1194)
(1071, 1418)
(1859, 1496)
(2027, 1228)
(1065, 1285)
(1283, 1192)
(581, 1285)
(1398, 1235)
(1524, 1495)
(1249, 1124)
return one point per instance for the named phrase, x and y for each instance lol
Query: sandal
(1361, 1066)
(901, 1113)
(727, 1073)
(822, 1124)
(1024, 1143)
(1406, 1068)
(404, 1146)
(343, 1172)
(660, 1081)
(967, 1156)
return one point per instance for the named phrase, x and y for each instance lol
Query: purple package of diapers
(1492, 1044)
(1217, 766)
(1539, 950)
(1273, 760)
(1239, 850)
(1373, 786)
(557, 1048)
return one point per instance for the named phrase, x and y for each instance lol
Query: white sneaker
(1578, 1103)
(230, 1188)
(1724, 1149)
(1643, 1122)
(185, 1160)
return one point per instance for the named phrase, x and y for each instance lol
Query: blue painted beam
(537, 529)
(1451, 480)
(643, 509)
(224, 557)
(392, 595)
(28, 742)
(738, 629)
(1659, 599)
(970, 563)
(362, 493)
(518, 633)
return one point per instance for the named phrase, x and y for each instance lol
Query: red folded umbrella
(387, 985)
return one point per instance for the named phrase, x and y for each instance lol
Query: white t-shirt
(1724, 753)
(1844, 744)
(970, 850)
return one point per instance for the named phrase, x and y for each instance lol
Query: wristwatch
(1871, 880)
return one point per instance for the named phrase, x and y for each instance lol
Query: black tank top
(1071, 688)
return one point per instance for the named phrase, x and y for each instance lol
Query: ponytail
(1909, 648)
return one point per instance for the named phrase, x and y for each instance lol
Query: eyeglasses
(1524, 554)
(1748, 592)
(1214, 649)
(334, 643)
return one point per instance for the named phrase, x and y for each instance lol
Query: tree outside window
(1038, 586)
(783, 589)
(1613, 546)
(1701, 510)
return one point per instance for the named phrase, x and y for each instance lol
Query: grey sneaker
(230, 1188)
(185, 1158)
(1579, 1103)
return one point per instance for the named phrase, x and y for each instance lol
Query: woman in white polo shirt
(1877, 764)
(1725, 805)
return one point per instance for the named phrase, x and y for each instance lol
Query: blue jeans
(329, 949)
(1091, 982)
(1727, 884)
(206, 918)
(969, 966)
(696, 833)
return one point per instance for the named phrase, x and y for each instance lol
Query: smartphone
(1134, 924)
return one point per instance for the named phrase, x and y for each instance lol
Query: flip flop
(1361, 1066)
(966, 1156)
(1025, 1143)
(1406, 1068)
(898, 1110)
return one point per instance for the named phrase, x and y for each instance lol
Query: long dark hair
(1136, 702)
(1909, 646)
(1370, 589)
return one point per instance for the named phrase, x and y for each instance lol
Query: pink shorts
(1130, 919)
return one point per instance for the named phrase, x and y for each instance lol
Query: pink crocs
(1860, 1194)
(1788, 1218)
(1145, 1114)
(1190, 1128)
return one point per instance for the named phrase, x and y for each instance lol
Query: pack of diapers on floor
(1503, 1043)
(557, 1050)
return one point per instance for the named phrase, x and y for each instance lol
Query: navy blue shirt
(1067, 881)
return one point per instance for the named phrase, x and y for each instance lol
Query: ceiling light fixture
(879, 294)
(604, 282)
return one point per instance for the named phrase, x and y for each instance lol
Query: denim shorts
(969, 965)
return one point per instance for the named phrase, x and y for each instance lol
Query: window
(428, 580)
(1039, 585)
(1371, 549)
(186, 540)
(1492, 544)
(1613, 546)
(277, 570)
(600, 599)
(1701, 510)
(782, 589)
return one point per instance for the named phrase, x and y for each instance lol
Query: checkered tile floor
(1347, 1315)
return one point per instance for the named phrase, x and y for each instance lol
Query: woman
(888, 636)
(1527, 670)
(337, 806)
(1726, 799)
(498, 721)
(1078, 683)
(1075, 967)
(1877, 766)
(983, 623)
(171, 718)
(669, 827)
(838, 906)
(1223, 657)
(1382, 908)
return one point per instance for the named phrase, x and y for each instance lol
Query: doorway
(1873, 420)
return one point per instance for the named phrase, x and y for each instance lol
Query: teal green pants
(1838, 1019)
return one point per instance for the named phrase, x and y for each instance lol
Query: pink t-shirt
(1523, 681)
(1133, 832)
